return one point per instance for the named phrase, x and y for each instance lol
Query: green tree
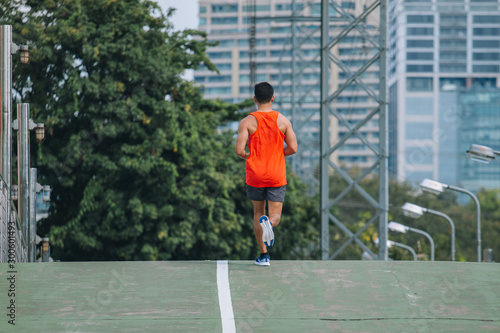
(138, 167)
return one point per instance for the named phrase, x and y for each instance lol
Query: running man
(265, 130)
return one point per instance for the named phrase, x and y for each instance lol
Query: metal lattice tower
(341, 79)
(252, 38)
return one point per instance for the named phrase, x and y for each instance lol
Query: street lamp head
(24, 54)
(480, 153)
(433, 187)
(389, 243)
(412, 210)
(40, 132)
(395, 226)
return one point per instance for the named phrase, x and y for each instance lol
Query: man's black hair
(264, 92)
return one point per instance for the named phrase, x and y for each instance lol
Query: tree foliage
(138, 167)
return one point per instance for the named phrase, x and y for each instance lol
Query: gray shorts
(266, 193)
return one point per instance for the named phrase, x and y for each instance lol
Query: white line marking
(225, 304)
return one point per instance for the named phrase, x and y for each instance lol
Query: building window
(203, 21)
(281, 53)
(452, 68)
(217, 91)
(486, 56)
(453, 43)
(258, 8)
(419, 84)
(450, 55)
(258, 77)
(227, 8)
(224, 20)
(419, 68)
(417, 43)
(224, 67)
(219, 78)
(199, 79)
(451, 83)
(288, 6)
(460, 32)
(258, 42)
(453, 19)
(486, 68)
(352, 99)
(420, 19)
(281, 30)
(486, 44)
(203, 9)
(486, 19)
(348, 5)
(419, 106)
(486, 31)
(219, 55)
(246, 54)
(419, 56)
(418, 130)
(419, 31)
(280, 41)
(223, 42)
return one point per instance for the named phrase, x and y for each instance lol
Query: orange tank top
(266, 164)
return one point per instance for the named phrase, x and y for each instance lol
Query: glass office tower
(438, 49)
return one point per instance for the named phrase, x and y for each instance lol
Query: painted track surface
(288, 296)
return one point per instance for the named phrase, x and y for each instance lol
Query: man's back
(266, 163)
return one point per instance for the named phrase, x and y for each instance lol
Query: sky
(186, 15)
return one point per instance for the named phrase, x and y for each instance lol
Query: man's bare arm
(291, 141)
(241, 140)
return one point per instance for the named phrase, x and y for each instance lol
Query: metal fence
(9, 221)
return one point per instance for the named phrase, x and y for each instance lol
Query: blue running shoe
(267, 228)
(264, 260)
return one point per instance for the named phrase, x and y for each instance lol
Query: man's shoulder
(282, 118)
(248, 121)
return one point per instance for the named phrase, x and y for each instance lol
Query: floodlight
(432, 186)
(395, 226)
(481, 154)
(412, 210)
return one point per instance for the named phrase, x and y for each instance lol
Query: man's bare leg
(259, 209)
(275, 208)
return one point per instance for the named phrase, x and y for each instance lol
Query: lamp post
(394, 226)
(482, 154)
(390, 243)
(434, 187)
(415, 212)
(7, 49)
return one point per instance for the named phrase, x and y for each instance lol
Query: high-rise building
(437, 49)
(287, 55)
(480, 115)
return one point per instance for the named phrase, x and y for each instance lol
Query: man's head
(264, 93)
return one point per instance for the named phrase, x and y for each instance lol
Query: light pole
(27, 178)
(434, 187)
(7, 49)
(390, 243)
(482, 154)
(415, 212)
(394, 226)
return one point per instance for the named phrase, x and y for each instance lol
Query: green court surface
(288, 296)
